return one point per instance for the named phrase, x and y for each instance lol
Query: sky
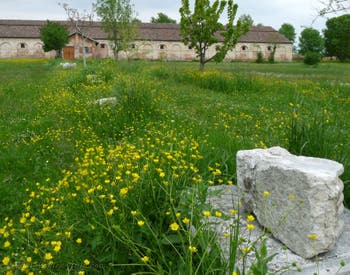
(299, 13)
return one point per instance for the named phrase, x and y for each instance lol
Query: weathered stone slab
(299, 199)
(286, 261)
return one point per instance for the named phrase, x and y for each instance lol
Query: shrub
(259, 58)
(312, 58)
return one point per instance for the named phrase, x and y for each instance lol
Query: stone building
(21, 39)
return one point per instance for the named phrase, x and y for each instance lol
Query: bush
(259, 58)
(312, 58)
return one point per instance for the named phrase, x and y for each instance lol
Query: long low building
(21, 39)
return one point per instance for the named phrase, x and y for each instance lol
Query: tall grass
(120, 187)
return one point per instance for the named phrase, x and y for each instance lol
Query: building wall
(147, 50)
(23, 48)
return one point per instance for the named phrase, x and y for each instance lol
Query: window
(133, 46)
(103, 46)
(269, 48)
(22, 45)
(162, 46)
(87, 49)
(244, 48)
(189, 47)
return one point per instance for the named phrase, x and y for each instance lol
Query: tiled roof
(147, 31)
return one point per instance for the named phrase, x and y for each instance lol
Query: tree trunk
(58, 54)
(115, 52)
(202, 62)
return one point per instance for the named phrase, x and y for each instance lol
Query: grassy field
(116, 187)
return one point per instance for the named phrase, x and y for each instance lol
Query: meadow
(118, 187)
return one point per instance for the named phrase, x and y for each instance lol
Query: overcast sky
(299, 13)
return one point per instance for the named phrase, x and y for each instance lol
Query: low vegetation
(120, 186)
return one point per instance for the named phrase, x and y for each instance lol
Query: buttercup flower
(174, 226)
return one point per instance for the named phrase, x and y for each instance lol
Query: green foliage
(312, 58)
(310, 41)
(54, 36)
(260, 267)
(337, 37)
(288, 31)
(200, 29)
(118, 22)
(162, 18)
(246, 19)
(259, 57)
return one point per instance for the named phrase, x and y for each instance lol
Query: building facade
(21, 39)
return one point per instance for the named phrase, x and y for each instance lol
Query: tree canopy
(246, 19)
(201, 28)
(54, 36)
(162, 18)
(118, 21)
(310, 41)
(337, 37)
(288, 31)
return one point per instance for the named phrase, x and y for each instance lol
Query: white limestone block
(304, 203)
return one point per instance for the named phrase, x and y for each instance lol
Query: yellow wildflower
(312, 237)
(79, 240)
(48, 256)
(218, 214)
(250, 218)
(186, 220)
(266, 193)
(140, 223)
(145, 259)
(174, 226)
(6, 260)
(193, 249)
(124, 191)
(86, 262)
(250, 227)
(7, 244)
(206, 214)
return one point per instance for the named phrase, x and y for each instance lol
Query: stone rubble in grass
(68, 65)
(106, 100)
(325, 264)
(305, 202)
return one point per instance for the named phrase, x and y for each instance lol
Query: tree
(246, 19)
(310, 41)
(54, 36)
(288, 31)
(118, 22)
(337, 37)
(162, 18)
(79, 19)
(333, 6)
(201, 29)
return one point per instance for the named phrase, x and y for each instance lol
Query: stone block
(299, 199)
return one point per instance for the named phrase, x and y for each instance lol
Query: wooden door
(68, 52)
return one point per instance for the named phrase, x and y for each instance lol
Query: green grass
(72, 169)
